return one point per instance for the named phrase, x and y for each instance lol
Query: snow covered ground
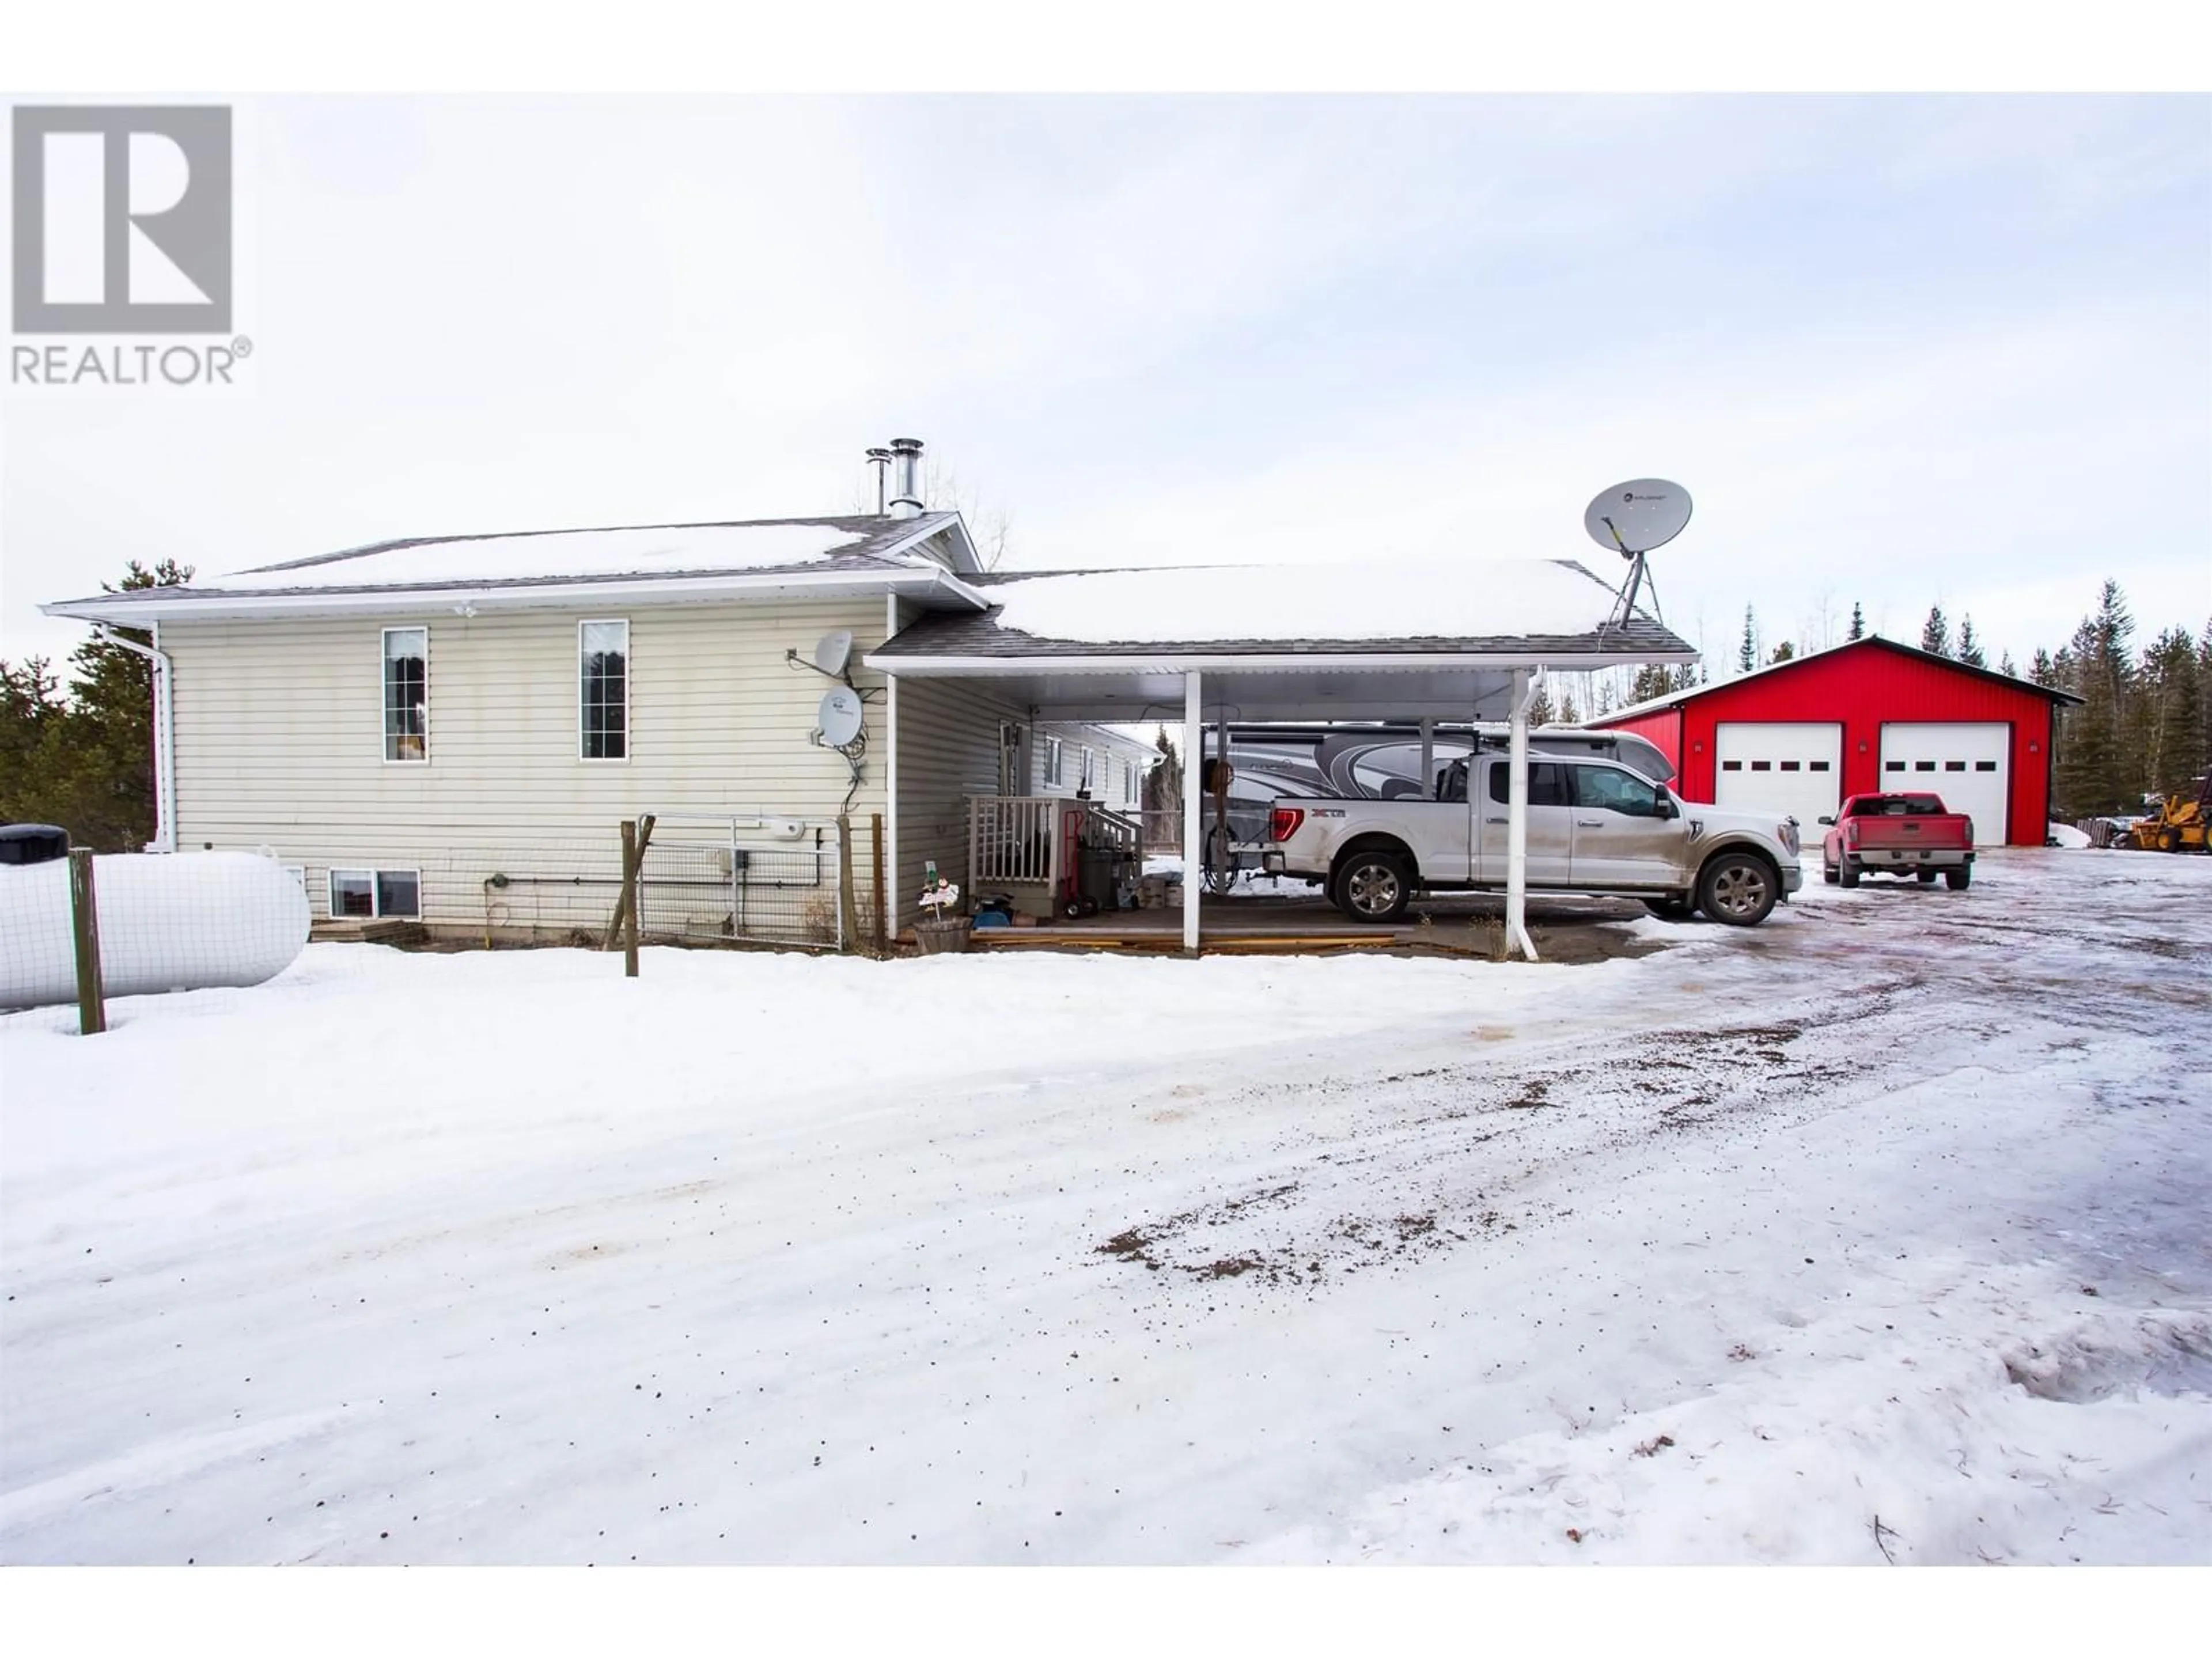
(1879, 1231)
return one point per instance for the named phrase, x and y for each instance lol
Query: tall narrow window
(406, 693)
(604, 648)
(1051, 759)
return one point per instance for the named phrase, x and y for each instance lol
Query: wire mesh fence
(703, 880)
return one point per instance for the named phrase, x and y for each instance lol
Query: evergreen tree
(1747, 655)
(1569, 715)
(2103, 751)
(1859, 622)
(2177, 735)
(1935, 632)
(1652, 680)
(1540, 712)
(2043, 671)
(86, 764)
(2005, 667)
(1969, 648)
(1783, 652)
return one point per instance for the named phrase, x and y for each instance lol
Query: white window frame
(375, 897)
(384, 736)
(628, 687)
(1051, 759)
(1085, 781)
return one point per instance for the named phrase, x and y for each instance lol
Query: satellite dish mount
(832, 657)
(1632, 518)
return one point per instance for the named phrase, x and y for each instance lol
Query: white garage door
(1969, 764)
(1767, 766)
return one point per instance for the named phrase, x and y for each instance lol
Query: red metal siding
(1866, 687)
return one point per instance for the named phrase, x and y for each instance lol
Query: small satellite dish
(833, 651)
(1635, 517)
(840, 716)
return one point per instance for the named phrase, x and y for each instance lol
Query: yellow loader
(2181, 824)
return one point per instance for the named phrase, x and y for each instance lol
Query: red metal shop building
(1873, 715)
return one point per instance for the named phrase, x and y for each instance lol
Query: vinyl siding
(280, 739)
(948, 744)
(948, 751)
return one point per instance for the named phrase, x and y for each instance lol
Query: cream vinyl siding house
(280, 731)
(412, 728)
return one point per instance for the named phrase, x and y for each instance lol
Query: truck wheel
(1829, 874)
(2168, 842)
(1927, 877)
(1373, 886)
(1740, 889)
(1850, 876)
(1958, 877)
(1671, 909)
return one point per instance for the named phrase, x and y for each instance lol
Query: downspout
(1517, 825)
(165, 737)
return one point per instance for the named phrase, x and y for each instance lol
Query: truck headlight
(1787, 832)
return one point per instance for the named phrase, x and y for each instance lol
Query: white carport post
(1516, 818)
(1428, 758)
(1193, 772)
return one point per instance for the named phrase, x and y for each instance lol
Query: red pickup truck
(1900, 836)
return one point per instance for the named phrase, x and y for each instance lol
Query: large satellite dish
(1635, 517)
(833, 651)
(840, 716)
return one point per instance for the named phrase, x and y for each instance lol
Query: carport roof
(1372, 642)
(1513, 613)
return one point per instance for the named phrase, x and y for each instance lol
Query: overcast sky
(1902, 350)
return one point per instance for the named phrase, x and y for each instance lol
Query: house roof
(1676, 699)
(1522, 609)
(737, 556)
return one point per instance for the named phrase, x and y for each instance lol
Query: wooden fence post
(883, 923)
(84, 920)
(623, 928)
(848, 924)
(628, 900)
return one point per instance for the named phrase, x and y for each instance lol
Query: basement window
(407, 694)
(372, 893)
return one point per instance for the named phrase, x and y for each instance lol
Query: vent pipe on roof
(881, 460)
(906, 488)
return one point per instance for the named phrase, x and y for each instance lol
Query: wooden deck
(1282, 925)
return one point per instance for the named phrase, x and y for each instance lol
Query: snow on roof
(1465, 599)
(551, 555)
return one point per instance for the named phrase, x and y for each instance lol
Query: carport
(1311, 643)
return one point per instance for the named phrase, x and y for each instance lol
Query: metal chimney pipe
(881, 460)
(906, 488)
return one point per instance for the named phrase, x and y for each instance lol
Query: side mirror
(1829, 819)
(1667, 809)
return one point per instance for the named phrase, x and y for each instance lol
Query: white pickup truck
(1593, 827)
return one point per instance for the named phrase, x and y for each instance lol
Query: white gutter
(165, 737)
(565, 596)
